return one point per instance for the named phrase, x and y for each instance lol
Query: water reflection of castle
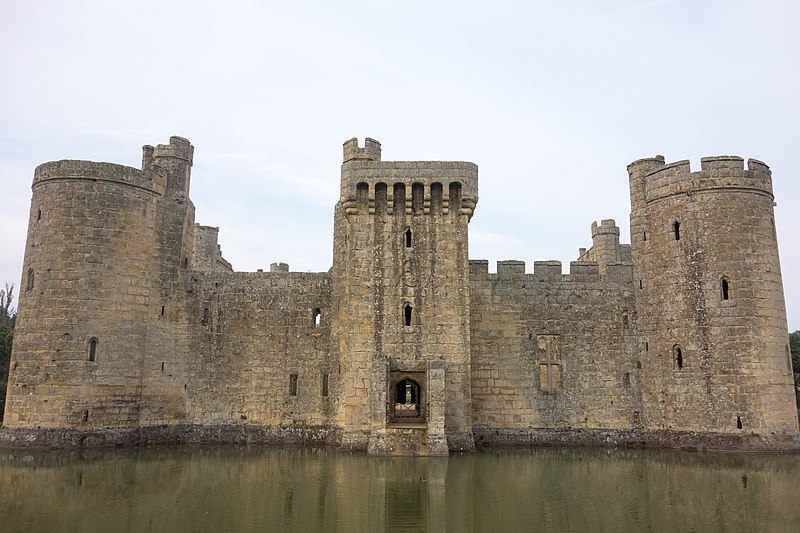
(133, 328)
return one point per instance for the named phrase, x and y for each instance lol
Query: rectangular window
(292, 384)
(324, 384)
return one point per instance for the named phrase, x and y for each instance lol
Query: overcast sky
(552, 100)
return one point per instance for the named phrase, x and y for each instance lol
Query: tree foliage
(794, 347)
(7, 319)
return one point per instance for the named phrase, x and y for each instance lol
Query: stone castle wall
(132, 327)
(542, 354)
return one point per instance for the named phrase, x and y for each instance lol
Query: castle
(133, 328)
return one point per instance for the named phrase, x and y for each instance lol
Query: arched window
(725, 289)
(417, 198)
(677, 356)
(93, 349)
(436, 198)
(407, 314)
(407, 401)
(380, 199)
(408, 237)
(316, 317)
(455, 197)
(399, 198)
(676, 230)
(362, 197)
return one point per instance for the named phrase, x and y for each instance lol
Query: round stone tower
(709, 298)
(100, 237)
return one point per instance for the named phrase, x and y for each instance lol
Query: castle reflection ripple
(208, 488)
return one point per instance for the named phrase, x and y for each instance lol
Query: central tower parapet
(414, 187)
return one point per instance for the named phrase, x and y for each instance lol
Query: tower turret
(709, 298)
(401, 278)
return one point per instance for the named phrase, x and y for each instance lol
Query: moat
(249, 488)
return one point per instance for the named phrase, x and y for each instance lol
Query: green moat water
(205, 488)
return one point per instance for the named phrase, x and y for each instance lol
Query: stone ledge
(487, 437)
(167, 434)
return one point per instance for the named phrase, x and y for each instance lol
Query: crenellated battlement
(662, 180)
(606, 227)
(370, 152)
(178, 148)
(550, 271)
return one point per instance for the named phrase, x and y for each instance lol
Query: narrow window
(399, 198)
(644, 236)
(162, 366)
(676, 229)
(29, 283)
(317, 317)
(85, 415)
(362, 197)
(436, 198)
(626, 379)
(407, 311)
(417, 198)
(725, 289)
(646, 347)
(455, 197)
(185, 262)
(678, 355)
(292, 384)
(39, 215)
(640, 284)
(380, 199)
(204, 320)
(162, 310)
(324, 384)
(625, 319)
(93, 349)
(738, 422)
(408, 237)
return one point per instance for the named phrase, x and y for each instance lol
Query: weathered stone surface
(133, 328)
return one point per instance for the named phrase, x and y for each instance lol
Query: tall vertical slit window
(676, 230)
(93, 349)
(725, 289)
(408, 236)
(292, 384)
(407, 314)
(677, 355)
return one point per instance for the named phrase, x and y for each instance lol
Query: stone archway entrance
(407, 402)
